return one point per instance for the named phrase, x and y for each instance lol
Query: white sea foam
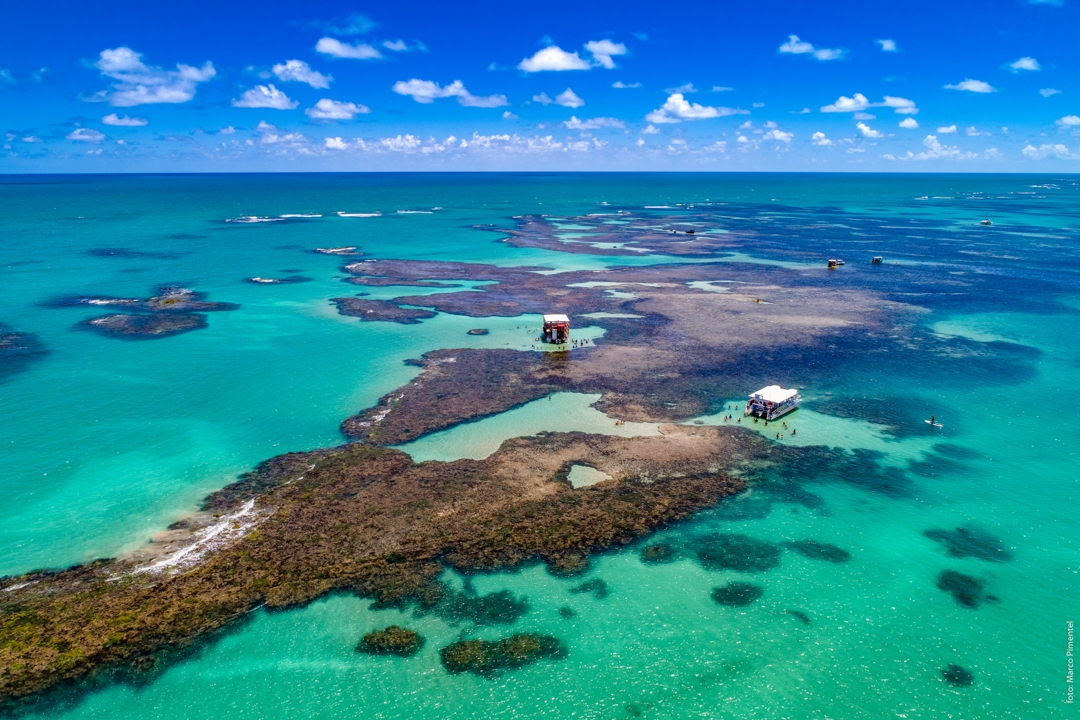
(301, 215)
(345, 214)
(415, 212)
(224, 532)
(252, 219)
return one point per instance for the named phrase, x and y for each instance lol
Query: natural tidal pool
(874, 566)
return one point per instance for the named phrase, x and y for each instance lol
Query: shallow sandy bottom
(560, 412)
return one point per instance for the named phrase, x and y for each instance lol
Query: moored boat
(772, 402)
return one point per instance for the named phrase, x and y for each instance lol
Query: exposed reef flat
(174, 310)
(357, 518)
(169, 299)
(687, 346)
(146, 327)
(635, 234)
(374, 310)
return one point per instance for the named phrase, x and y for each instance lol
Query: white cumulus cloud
(795, 46)
(336, 143)
(819, 138)
(594, 123)
(650, 130)
(543, 99)
(780, 135)
(1025, 63)
(946, 130)
(300, 71)
(396, 45)
(114, 119)
(859, 103)
(1047, 92)
(603, 50)
(427, 91)
(935, 150)
(336, 48)
(684, 88)
(625, 86)
(887, 45)
(265, 96)
(909, 123)
(327, 109)
(507, 115)
(553, 58)
(86, 135)
(867, 131)
(677, 109)
(567, 98)
(141, 84)
(975, 86)
(1049, 151)
(1069, 121)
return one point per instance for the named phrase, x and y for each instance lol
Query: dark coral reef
(376, 310)
(488, 658)
(393, 640)
(366, 520)
(18, 351)
(172, 311)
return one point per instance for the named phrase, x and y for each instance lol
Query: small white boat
(771, 402)
(985, 222)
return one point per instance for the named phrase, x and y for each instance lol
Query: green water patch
(559, 412)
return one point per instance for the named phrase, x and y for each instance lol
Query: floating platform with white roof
(556, 329)
(771, 402)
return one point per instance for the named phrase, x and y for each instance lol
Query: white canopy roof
(556, 319)
(774, 393)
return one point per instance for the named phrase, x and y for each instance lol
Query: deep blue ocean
(107, 441)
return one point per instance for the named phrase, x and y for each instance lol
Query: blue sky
(842, 86)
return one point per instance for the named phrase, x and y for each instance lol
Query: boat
(832, 263)
(772, 402)
(935, 424)
(985, 222)
(839, 262)
(877, 260)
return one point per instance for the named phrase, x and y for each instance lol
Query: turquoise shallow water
(108, 441)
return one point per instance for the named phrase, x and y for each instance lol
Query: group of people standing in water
(779, 436)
